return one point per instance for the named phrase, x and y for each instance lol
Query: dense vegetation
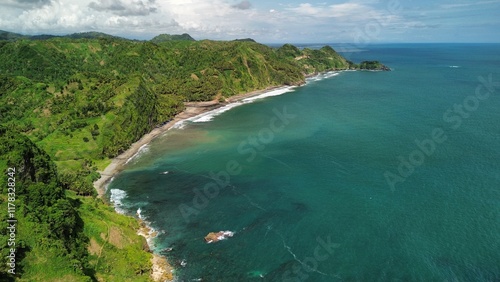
(48, 226)
(372, 65)
(171, 37)
(69, 104)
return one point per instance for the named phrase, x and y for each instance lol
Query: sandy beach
(161, 269)
(192, 109)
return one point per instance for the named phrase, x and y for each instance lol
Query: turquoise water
(328, 183)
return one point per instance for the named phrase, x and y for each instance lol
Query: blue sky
(341, 21)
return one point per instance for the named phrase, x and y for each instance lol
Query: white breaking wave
(331, 74)
(322, 76)
(116, 198)
(143, 149)
(139, 213)
(276, 92)
(208, 116)
(179, 125)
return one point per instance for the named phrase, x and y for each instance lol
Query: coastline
(161, 270)
(193, 109)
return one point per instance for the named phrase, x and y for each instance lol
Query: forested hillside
(69, 104)
(86, 100)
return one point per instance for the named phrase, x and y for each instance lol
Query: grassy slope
(116, 251)
(112, 250)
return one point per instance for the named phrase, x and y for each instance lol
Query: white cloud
(65, 16)
(323, 10)
(243, 5)
(347, 10)
(306, 9)
(125, 7)
(112, 16)
(215, 19)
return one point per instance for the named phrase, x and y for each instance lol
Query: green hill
(6, 35)
(70, 104)
(172, 37)
(91, 35)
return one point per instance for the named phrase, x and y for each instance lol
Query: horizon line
(261, 42)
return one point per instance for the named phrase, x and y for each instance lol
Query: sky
(267, 21)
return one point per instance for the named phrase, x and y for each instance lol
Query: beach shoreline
(192, 109)
(161, 270)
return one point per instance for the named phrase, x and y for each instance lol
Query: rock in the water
(214, 237)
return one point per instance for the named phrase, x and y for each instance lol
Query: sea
(355, 176)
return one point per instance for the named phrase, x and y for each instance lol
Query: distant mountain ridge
(10, 36)
(172, 37)
(7, 35)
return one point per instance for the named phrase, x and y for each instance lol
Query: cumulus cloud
(56, 15)
(214, 19)
(349, 10)
(125, 7)
(243, 5)
(25, 4)
(32, 1)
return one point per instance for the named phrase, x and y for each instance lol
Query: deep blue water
(363, 176)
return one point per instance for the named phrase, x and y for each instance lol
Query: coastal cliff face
(58, 235)
(82, 99)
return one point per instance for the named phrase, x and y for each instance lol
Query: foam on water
(116, 197)
(208, 116)
(276, 92)
(322, 76)
(179, 125)
(139, 211)
(142, 150)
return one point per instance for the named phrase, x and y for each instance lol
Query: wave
(322, 76)
(116, 197)
(276, 92)
(143, 149)
(139, 213)
(178, 125)
(209, 116)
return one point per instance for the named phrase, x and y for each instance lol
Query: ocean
(356, 176)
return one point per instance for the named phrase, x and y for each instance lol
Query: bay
(302, 178)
